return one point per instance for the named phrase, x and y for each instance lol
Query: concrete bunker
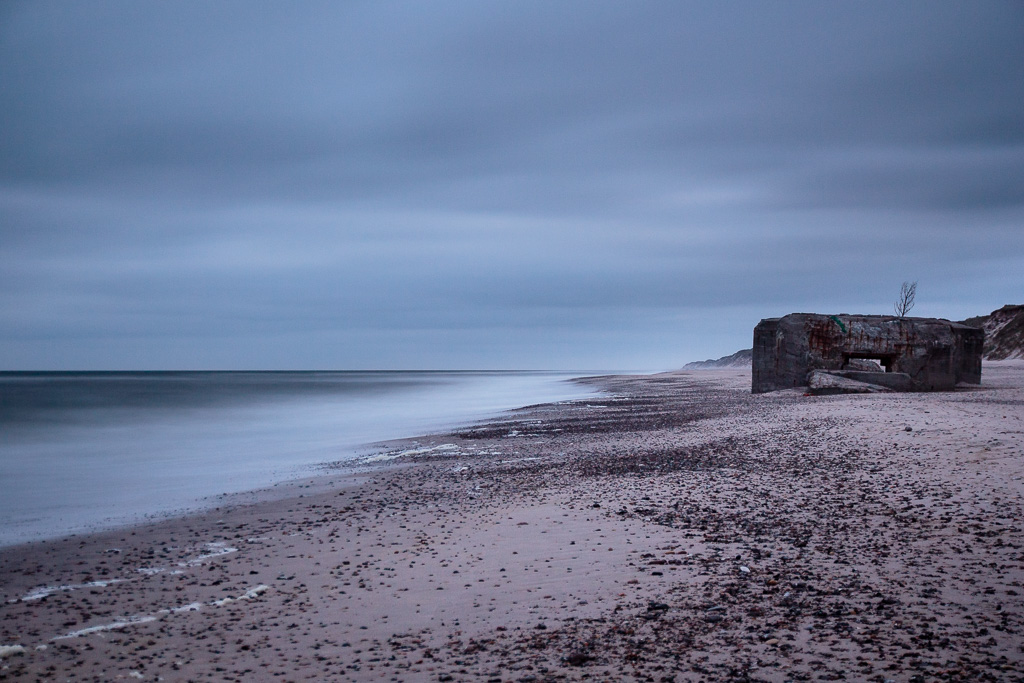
(884, 352)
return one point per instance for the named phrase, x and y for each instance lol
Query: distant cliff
(1004, 332)
(740, 359)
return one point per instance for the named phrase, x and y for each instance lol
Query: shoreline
(97, 454)
(678, 528)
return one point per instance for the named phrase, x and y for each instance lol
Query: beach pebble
(813, 505)
(578, 659)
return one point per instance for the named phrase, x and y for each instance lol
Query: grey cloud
(989, 183)
(528, 176)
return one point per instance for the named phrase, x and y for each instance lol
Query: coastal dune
(676, 528)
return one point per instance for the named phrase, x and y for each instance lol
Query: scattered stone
(578, 659)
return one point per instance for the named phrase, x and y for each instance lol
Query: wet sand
(679, 529)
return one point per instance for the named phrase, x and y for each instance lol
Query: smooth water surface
(80, 451)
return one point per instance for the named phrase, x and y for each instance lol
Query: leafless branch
(906, 300)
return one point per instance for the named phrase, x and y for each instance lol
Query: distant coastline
(740, 359)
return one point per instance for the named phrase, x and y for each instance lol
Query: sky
(578, 185)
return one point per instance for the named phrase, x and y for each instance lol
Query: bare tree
(906, 301)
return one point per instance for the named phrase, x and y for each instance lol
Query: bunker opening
(868, 362)
(864, 353)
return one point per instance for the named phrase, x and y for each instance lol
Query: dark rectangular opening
(868, 362)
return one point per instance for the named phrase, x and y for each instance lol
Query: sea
(84, 451)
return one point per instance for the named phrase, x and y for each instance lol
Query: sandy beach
(676, 529)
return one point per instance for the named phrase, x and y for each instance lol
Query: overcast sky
(569, 185)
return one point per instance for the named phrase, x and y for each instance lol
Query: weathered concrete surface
(825, 382)
(935, 354)
(864, 365)
(897, 381)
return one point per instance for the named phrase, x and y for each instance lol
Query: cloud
(510, 173)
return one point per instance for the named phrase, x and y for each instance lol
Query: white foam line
(215, 550)
(43, 591)
(442, 447)
(256, 592)
(250, 594)
(382, 457)
(11, 650)
(123, 622)
(412, 451)
(190, 607)
(150, 571)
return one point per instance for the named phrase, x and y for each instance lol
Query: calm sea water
(82, 451)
